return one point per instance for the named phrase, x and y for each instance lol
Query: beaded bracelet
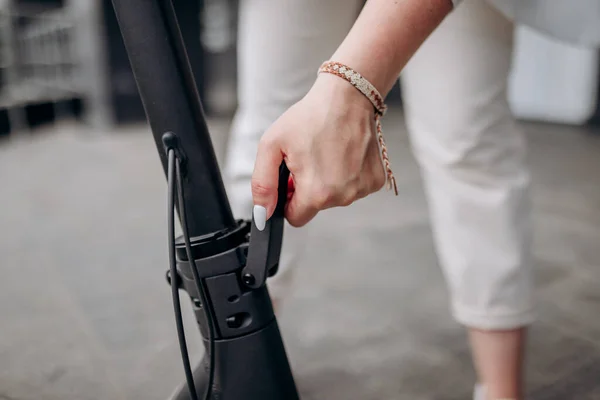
(366, 88)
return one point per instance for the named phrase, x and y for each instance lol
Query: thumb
(265, 180)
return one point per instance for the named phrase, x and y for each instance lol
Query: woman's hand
(327, 139)
(328, 142)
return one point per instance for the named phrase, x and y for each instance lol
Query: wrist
(379, 74)
(369, 92)
(339, 91)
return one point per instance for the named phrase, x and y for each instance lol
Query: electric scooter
(221, 262)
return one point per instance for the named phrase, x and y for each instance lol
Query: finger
(290, 189)
(299, 210)
(265, 180)
(376, 176)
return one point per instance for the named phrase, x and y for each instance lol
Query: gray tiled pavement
(85, 313)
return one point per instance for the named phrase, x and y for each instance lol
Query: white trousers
(471, 153)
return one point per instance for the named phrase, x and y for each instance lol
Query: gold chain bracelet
(366, 88)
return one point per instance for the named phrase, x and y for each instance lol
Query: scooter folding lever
(264, 247)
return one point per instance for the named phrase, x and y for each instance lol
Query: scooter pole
(232, 259)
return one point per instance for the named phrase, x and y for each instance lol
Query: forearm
(386, 35)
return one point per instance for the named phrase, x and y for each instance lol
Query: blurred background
(85, 312)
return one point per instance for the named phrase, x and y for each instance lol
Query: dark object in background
(4, 124)
(218, 39)
(125, 102)
(38, 6)
(594, 121)
(44, 113)
(104, 94)
(39, 114)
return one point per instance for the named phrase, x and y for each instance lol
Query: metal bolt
(249, 279)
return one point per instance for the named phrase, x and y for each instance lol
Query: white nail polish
(260, 217)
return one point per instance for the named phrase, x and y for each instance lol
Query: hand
(328, 142)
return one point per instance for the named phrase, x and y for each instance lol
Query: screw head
(249, 279)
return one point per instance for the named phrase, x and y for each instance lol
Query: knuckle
(298, 215)
(267, 141)
(322, 196)
(347, 200)
(261, 189)
(363, 192)
(330, 195)
(352, 194)
(379, 180)
(295, 222)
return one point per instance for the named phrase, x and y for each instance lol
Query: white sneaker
(479, 392)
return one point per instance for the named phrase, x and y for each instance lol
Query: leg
(281, 45)
(472, 156)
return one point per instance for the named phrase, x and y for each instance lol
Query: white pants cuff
(490, 321)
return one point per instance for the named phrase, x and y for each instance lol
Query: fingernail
(260, 217)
